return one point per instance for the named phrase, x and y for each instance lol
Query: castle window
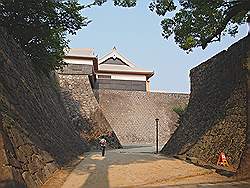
(104, 76)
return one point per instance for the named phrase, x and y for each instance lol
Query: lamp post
(157, 132)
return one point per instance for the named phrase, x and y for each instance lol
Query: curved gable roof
(114, 62)
(114, 54)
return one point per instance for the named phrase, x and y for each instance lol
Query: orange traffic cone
(222, 161)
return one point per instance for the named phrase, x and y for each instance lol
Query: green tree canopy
(40, 27)
(197, 22)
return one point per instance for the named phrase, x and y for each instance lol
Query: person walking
(103, 143)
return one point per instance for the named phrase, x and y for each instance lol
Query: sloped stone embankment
(84, 111)
(217, 117)
(37, 136)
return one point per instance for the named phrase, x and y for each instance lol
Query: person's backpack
(103, 142)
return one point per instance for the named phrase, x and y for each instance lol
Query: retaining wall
(43, 125)
(84, 110)
(132, 114)
(36, 136)
(217, 116)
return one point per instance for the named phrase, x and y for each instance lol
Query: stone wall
(42, 127)
(36, 137)
(74, 69)
(84, 110)
(244, 168)
(216, 119)
(132, 114)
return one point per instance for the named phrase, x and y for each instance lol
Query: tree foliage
(197, 22)
(40, 27)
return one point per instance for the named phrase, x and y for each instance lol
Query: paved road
(137, 166)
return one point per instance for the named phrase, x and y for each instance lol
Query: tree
(197, 22)
(40, 27)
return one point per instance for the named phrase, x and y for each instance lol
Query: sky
(136, 33)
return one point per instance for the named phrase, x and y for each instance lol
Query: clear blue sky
(136, 33)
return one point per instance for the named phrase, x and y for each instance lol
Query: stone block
(17, 137)
(6, 173)
(49, 169)
(45, 157)
(35, 164)
(30, 182)
(17, 176)
(13, 161)
(41, 176)
(21, 156)
(3, 157)
(26, 150)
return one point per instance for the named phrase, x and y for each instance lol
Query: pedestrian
(103, 143)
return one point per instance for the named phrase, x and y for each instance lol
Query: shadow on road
(94, 170)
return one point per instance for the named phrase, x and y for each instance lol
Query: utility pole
(157, 132)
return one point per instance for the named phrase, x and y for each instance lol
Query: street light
(157, 131)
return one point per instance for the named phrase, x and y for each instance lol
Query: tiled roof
(104, 64)
(81, 52)
(115, 54)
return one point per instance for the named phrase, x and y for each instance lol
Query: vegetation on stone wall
(179, 110)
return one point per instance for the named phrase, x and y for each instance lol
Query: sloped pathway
(137, 166)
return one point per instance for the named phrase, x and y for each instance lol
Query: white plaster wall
(126, 77)
(79, 61)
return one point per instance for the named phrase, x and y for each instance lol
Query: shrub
(179, 110)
